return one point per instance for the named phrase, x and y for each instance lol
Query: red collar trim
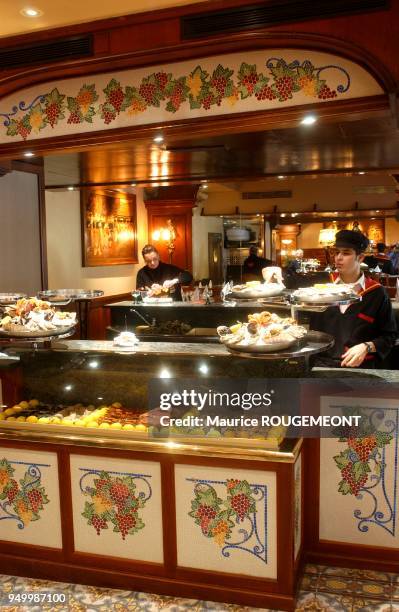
(369, 283)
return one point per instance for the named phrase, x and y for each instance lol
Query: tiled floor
(322, 589)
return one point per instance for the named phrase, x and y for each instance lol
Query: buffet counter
(107, 500)
(93, 491)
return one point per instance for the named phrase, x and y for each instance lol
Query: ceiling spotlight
(70, 188)
(29, 11)
(281, 176)
(309, 120)
(29, 154)
(158, 138)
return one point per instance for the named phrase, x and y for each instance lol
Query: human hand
(354, 356)
(169, 283)
(155, 289)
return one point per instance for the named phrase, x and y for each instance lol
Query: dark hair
(149, 248)
(381, 247)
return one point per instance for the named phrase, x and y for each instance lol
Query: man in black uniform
(253, 265)
(365, 331)
(156, 274)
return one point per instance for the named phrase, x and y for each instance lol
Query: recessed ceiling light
(281, 176)
(29, 154)
(30, 11)
(361, 173)
(70, 188)
(133, 184)
(377, 211)
(309, 120)
(158, 138)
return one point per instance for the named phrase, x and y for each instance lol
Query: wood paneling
(167, 578)
(180, 213)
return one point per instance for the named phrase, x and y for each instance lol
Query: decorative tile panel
(29, 498)
(226, 520)
(117, 508)
(359, 476)
(240, 82)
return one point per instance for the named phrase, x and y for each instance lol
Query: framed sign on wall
(109, 228)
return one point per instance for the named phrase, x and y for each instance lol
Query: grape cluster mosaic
(200, 89)
(360, 460)
(21, 500)
(114, 502)
(218, 518)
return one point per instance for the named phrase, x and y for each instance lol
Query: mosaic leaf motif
(218, 517)
(114, 502)
(362, 464)
(21, 501)
(200, 89)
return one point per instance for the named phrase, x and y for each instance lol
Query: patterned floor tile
(309, 582)
(322, 589)
(357, 574)
(312, 602)
(355, 587)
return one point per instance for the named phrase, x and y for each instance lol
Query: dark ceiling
(367, 144)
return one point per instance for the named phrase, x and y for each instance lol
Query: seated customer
(383, 260)
(364, 331)
(157, 274)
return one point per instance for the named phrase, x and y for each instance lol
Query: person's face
(152, 260)
(347, 261)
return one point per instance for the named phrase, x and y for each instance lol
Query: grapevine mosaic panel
(117, 507)
(359, 476)
(29, 498)
(226, 521)
(258, 80)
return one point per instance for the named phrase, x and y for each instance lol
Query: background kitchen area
(328, 182)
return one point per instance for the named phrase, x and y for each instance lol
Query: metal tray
(314, 342)
(64, 296)
(334, 301)
(247, 294)
(272, 347)
(7, 299)
(40, 333)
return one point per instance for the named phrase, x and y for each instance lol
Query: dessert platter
(264, 332)
(34, 318)
(116, 419)
(254, 290)
(328, 294)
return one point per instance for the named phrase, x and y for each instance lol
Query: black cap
(348, 239)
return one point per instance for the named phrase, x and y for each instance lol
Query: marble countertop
(190, 305)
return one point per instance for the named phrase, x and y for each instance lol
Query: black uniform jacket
(147, 277)
(371, 319)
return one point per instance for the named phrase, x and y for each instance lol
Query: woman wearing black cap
(365, 331)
